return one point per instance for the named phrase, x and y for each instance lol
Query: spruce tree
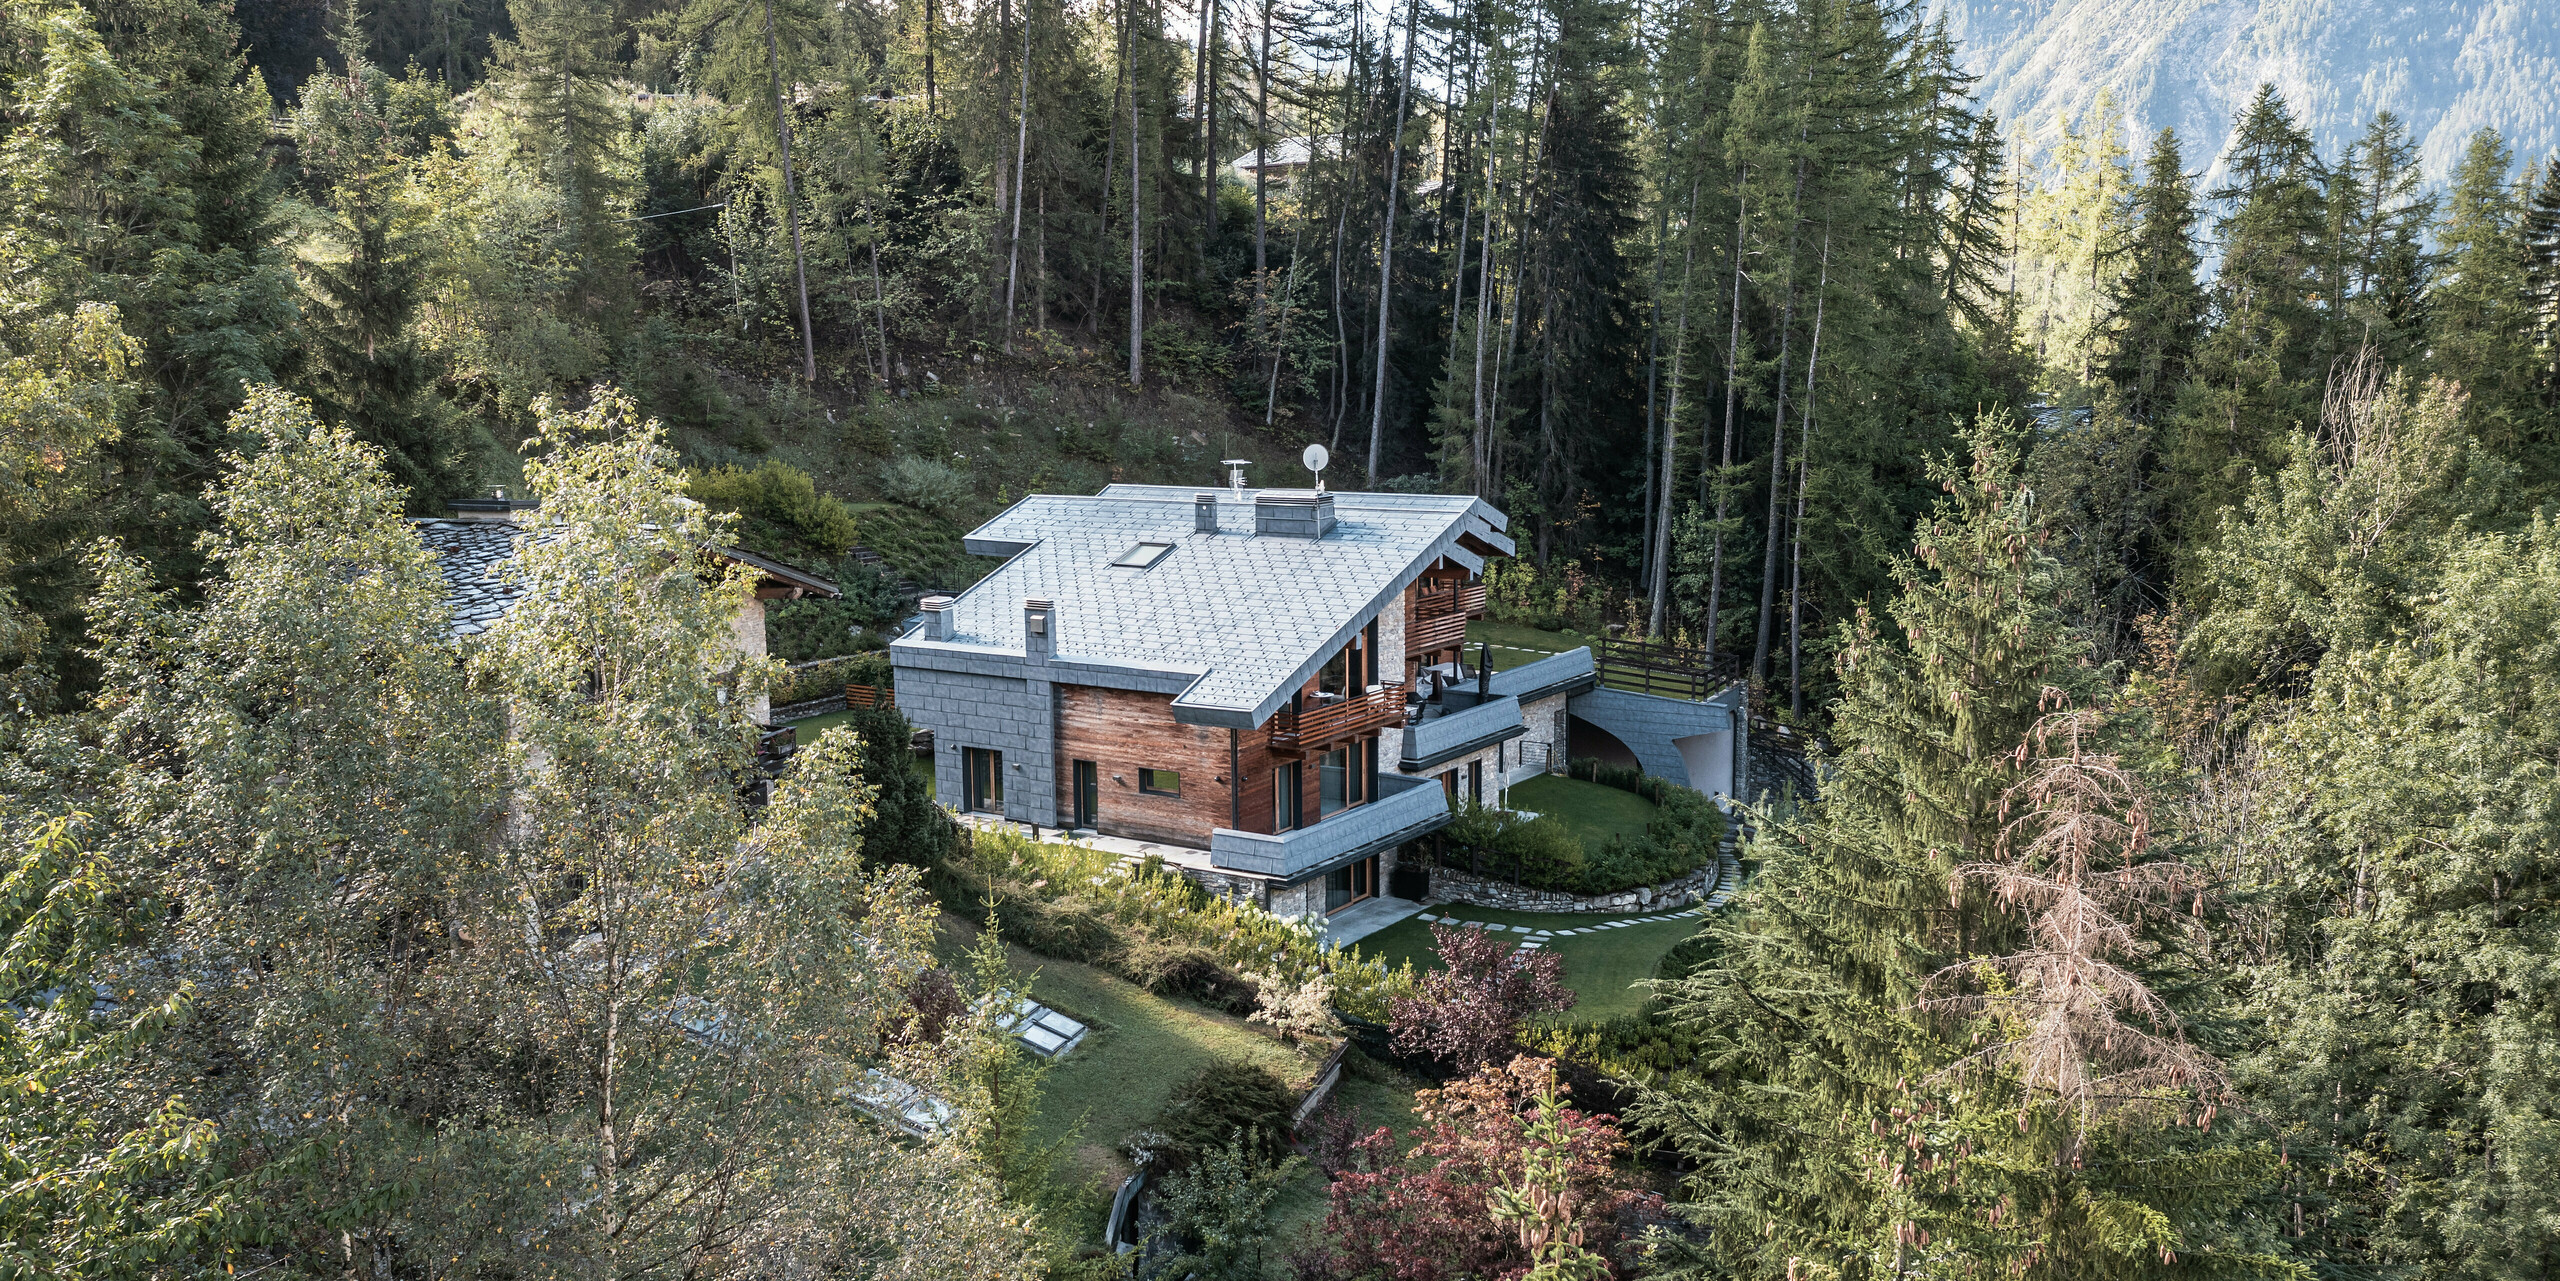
(2542, 276)
(1839, 1119)
(358, 134)
(2383, 245)
(2256, 366)
(2479, 314)
(2409, 1008)
(2159, 307)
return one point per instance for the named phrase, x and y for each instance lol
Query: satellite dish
(1315, 458)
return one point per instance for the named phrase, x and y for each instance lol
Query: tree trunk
(1261, 169)
(1778, 450)
(1021, 150)
(1661, 584)
(790, 197)
(932, 103)
(1718, 480)
(1804, 478)
(1652, 389)
(1137, 231)
(1387, 240)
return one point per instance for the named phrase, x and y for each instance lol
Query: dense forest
(2165, 572)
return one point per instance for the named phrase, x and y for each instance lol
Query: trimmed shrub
(1227, 1098)
(1143, 906)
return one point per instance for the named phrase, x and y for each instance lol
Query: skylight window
(1143, 556)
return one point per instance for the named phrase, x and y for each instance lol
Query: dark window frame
(1147, 787)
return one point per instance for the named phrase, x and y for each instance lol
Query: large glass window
(1285, 798)
(1088, 793)
(1160, 782)
(982, 780)
(1333, 782)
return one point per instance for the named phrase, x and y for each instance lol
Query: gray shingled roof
(1255, 614)
(469, 553)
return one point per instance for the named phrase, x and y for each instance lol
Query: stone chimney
(1292, 513)
(1039, 629)
(937, 617)
(1204, 513)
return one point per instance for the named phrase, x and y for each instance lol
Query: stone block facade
(1008, 714)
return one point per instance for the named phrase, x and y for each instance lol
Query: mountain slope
(2447, 67)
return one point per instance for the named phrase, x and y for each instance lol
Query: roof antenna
(1235, 472)
(1315, 458)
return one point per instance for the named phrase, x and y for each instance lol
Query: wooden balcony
(1322, 725)
(1440, 618)
(1448, 631)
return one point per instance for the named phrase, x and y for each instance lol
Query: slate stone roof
(469, 553)
(1253, 614)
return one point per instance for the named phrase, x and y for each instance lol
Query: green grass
(1141, 1046)
(1593, 813)
(1599, 967)
(1516, 644)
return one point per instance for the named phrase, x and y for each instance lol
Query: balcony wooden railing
(1440, 618)
(1670, 671)
(1325, 724)
(1448, 631)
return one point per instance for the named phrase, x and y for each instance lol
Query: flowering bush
(1469, 1013)
(1503, 1177)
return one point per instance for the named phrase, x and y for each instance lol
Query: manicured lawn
(1515, 645)
(1594, 813)
(1141, 1046)
(1600, 967)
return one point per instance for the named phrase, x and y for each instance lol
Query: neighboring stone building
(481, 535)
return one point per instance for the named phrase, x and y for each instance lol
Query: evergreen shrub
(1226, 1100)
(1542, 854)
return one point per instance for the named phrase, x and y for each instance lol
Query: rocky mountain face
(2448, 67)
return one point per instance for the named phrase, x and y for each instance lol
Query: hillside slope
(2447, 67)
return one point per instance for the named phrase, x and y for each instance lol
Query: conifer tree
(2542, 277)
(1837, 1122)
(557, 75)
(2404, 987)
(2382, 242)
(2479, 312)
(2159, 307)
(358, 133)
(2256, 363)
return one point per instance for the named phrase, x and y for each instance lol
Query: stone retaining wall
(1451, 886)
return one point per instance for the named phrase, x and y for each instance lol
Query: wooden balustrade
(1448, 631)
(1324, 725)
(1440, 618)
(1670, 671)
(857, 697)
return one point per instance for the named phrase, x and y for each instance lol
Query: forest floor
(1601, 966)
